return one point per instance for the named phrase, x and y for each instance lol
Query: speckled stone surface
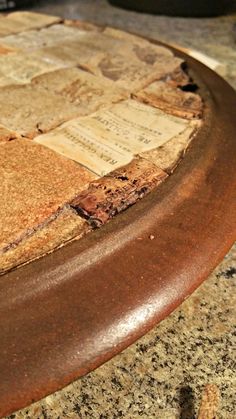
(163, 374)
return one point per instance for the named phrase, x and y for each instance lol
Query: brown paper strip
(171, 99)
(106, 197)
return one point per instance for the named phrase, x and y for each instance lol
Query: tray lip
(46, 266)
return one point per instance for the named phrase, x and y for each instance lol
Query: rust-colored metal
(69, 312)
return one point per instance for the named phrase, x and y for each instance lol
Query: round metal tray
(67, 313)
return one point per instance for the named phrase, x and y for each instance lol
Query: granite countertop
(162, 375)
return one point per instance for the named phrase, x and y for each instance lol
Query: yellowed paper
(109, 138)
(87, 92)
(136, 126)
(20, 68)
(137, 40)
(23, 21)
(5, 49)
(133, 74)
(8, 26)
(4, 79)
(31, 20)
(167, 156)
(84, 25)
(46, 37)
(77, 142)
(119, 34)
(171, 99)
(60, 46)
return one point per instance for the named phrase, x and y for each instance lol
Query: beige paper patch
(60, 46)
(20, 68)
(129, 47)
(4, 79)
(109, 138)
(86, 91)
(133, 74)
(8, 26)
(70, 54)
(5, 49)
(46, 37)
(31, 20)
(76, 141)
(140, 46)
(29, 110)
(169, 154)
(54, 98)
(126, 36)
(136, 126)
(84, 25)
(171, 99)
(23, 21)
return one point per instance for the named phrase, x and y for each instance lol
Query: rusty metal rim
(69, 312)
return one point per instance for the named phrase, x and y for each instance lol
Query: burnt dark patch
(186, 401)
(123, 178)
(190, 87)
(228, 273)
